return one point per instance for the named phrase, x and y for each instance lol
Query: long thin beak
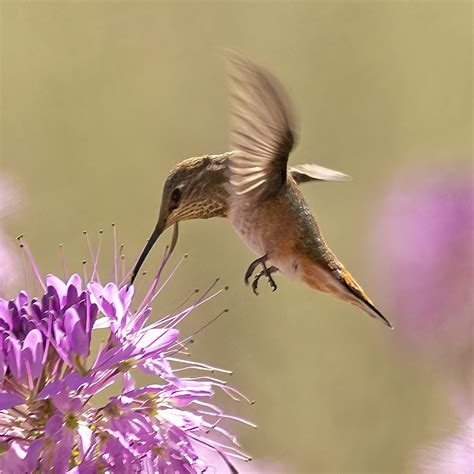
(160, 227)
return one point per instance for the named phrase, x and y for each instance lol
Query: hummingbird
(259, 193)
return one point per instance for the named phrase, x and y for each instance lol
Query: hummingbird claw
(255, 282)
(252, 267)
(248, 274)
(267, 272)
(271, 281)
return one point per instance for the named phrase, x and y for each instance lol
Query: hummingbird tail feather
(333, 278)
(374, 312)
(361, 299)
(311, 172)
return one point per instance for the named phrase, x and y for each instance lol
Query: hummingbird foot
(268, 273)
(252, 267)
(264, 272)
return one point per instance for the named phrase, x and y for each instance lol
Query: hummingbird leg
(267, 272)
(253, 266)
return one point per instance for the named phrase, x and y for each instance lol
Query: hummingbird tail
(333, 278)
(360, 298)
(370, 309)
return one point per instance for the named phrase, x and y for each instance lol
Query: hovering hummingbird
(254, 187)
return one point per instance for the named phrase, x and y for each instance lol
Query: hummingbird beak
(161, 226)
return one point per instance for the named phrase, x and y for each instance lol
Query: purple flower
(49, 414)
(455, 454)
(423, 244)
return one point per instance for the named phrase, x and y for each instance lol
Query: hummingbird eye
(176, 196)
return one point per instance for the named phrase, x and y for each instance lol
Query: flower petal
(58, 285)
(9, 400)
(33, 347)
(153, 340)
(75, 334)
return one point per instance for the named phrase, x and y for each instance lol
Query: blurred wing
(310, 172)
(262, 134)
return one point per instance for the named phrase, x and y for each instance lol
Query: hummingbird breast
(281, 227)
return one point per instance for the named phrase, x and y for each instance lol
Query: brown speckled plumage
(204, 194)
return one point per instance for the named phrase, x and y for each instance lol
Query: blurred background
(101, 99)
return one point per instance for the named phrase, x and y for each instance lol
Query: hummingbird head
(194, 189)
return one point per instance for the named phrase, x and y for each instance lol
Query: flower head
(423, 241)
(455, 454)
(49, 413)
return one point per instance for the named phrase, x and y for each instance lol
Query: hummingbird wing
(262, 133)
(311, 172)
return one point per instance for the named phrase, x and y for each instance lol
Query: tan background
(100, 99)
